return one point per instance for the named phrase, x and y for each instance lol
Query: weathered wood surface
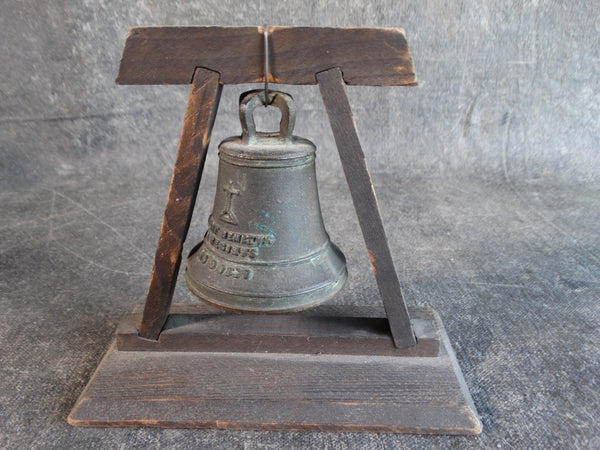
(169, 55)
(267, 391)
(333, 330)
(333, 91)
(191, 155)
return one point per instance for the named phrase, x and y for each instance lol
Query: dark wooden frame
(209, 57)
(330, 368)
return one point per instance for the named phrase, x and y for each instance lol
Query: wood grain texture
(333, 91)
(187, 172)
(332, 331)
(279, 392)
(169, 55)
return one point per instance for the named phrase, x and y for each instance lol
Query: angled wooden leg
(333, 91)
(191, 155)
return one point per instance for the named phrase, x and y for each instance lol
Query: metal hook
(266, 40)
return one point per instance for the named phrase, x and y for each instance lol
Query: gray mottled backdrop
(487, 174)
(507, 89)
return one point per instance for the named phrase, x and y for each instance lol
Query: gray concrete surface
(487, 174)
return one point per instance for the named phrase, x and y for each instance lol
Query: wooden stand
(328, 369)
(337, 369)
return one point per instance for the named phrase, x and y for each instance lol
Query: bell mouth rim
(234, 303)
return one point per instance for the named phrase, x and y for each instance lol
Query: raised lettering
(223, 269)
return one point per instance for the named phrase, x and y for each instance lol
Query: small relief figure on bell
(228, 215)
(266, 249)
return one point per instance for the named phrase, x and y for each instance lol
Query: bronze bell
(266, 248)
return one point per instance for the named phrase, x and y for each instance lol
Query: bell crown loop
(248, 103)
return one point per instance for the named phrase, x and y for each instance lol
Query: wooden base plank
(279, 391)
(326, 329)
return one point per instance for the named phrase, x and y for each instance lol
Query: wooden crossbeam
(169, 55)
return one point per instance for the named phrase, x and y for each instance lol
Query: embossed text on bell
(266, 248)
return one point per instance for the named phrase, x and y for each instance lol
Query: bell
(266, 248)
